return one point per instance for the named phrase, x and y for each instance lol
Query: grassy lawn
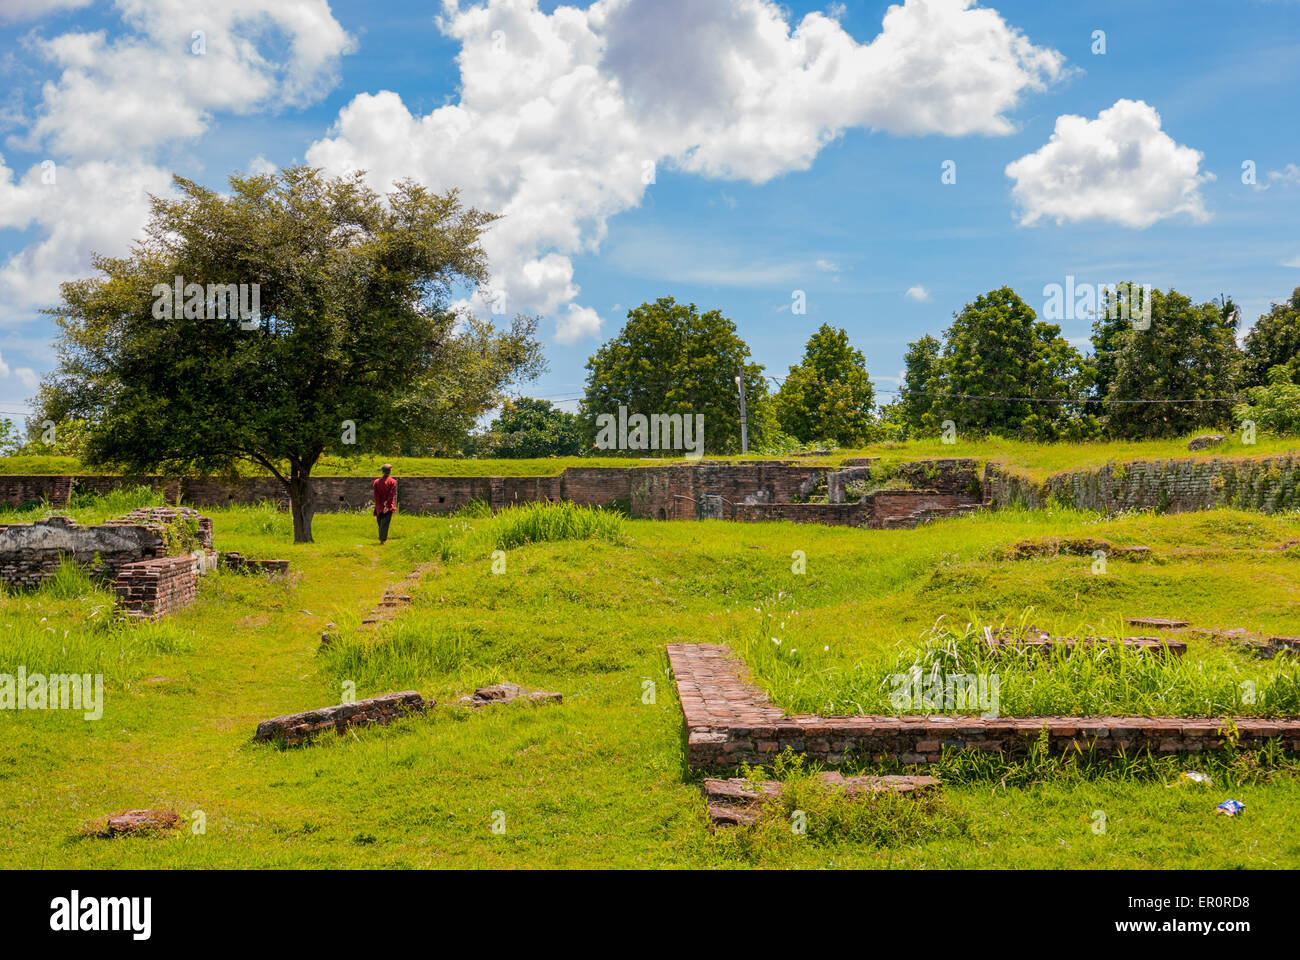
(601, 779)
(1035, 459)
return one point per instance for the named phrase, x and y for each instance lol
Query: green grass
(1212, 680)
(1037, 460)
(601, 779)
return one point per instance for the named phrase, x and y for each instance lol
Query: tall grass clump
(95, 641)
(473, 531)
(68, 582)
(549, 522)
(1099, 680)
(808, 811)
(407, 652)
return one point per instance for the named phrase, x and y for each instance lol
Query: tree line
(1162, 369)
(358, 346)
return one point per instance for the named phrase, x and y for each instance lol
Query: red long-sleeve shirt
(385, 489)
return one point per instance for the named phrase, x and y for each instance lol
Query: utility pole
(744, 427)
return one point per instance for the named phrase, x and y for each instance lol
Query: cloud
(565, 119)
(178, 64)
(1288, 174)
(92, 207)
(918, 293)
(1293, 262)
(1120, 168)
(578, 323)
(12, 10)
(118, 104)
(26, 375)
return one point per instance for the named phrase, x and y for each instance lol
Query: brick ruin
(134, 554)
(859, 493)
(723, 490)
(730, 722)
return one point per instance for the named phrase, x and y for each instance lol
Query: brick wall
(157, 587)
(729, 722)
(713, 489)
(954, 476)
(831, 514)
(894, 509)
(32, 552)
(1267, 484)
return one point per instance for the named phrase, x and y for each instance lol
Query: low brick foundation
(1038, 641)
(729, 722)
(243, 564)
(735, 802)
(155, 588)
(296, 728)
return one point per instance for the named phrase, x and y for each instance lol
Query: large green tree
(828, 395)
(922, 378)
(528, 427)
(1272, 342)
(354, 339)
(1177, 372)
(1005, 371)
(671, 359)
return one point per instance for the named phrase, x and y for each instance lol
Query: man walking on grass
(385, 489)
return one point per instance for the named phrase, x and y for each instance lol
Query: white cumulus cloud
(11, 10)
(918, 293)
(565, 119)
(118, 104)
(1119, 168)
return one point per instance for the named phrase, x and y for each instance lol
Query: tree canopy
(351, 347)
(671, 359)
(828, 394)
(1273, 341)
(528, 427)
(1176, 374)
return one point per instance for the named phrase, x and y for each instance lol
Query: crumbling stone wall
(30, 553)
(1267, 484)
(711, 489)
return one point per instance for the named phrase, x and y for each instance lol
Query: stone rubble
(296, 728)
(508, 693)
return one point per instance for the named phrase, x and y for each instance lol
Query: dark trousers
(384, 520)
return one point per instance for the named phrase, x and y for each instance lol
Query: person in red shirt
(385, 490)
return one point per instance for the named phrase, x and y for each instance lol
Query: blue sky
(787, 155)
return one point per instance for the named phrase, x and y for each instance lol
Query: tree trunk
(301, 503)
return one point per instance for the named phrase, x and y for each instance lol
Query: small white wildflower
(776, 641)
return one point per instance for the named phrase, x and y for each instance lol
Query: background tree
(1185, 359)
(1275, 408)
(922, 377)
(999, 363)
(528, 427)
(11, 438)
(1116, 313)
(354, 327)
(828, 394)
(670, 358)
(1273, 341)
